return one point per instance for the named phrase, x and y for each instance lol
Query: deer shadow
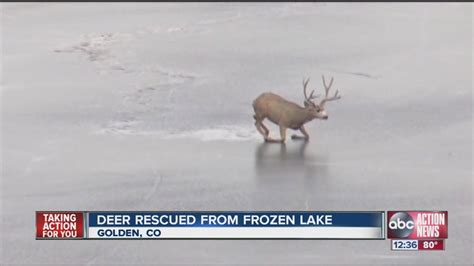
(293, 164)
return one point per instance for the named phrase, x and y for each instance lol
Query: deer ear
(306, 104)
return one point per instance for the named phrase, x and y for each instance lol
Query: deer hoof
(296, 137)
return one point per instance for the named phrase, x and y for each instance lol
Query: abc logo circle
(401, 224)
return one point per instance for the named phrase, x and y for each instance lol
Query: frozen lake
(148, 107)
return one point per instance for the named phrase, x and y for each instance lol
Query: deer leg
(264, 128)
(261, 128)
(305, 134)
(282, 135)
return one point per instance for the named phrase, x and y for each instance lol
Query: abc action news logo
(417, 225)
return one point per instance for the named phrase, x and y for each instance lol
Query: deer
(287, 114)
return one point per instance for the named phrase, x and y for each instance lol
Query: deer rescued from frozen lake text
(288, 114)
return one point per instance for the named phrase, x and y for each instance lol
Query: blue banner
(235, 219)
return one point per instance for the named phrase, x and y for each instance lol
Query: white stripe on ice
(219, 133)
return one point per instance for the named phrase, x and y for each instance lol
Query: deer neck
(308, 116)
(304, 117)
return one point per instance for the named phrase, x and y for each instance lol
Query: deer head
(318, 110)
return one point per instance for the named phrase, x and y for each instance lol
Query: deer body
(280, 111)
(287, 114)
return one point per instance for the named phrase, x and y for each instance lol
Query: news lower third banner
(209, 225)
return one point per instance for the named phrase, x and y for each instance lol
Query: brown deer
(288, 114)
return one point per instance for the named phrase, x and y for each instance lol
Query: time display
(404, 244)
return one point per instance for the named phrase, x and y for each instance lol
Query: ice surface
(148, 107)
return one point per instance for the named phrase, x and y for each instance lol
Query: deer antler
(327, 88)
(311, 95)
